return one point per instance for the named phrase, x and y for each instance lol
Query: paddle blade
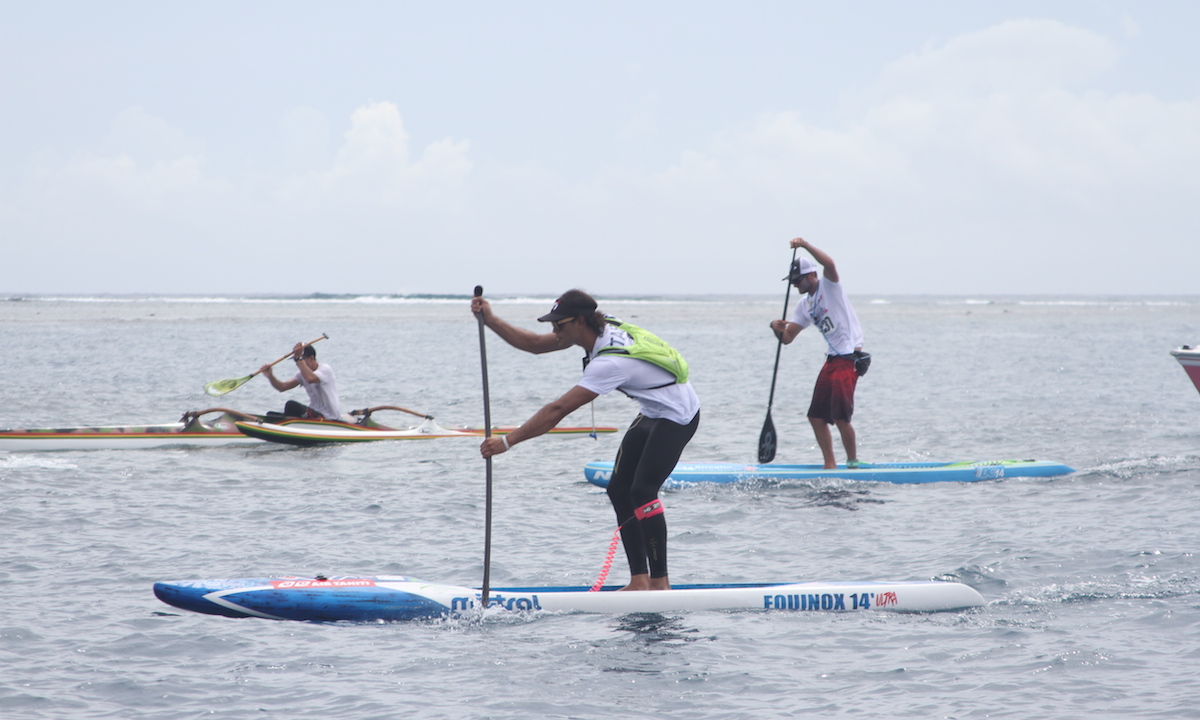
(766, 441)
(220, 387)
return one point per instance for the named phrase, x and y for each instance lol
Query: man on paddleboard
(621, 357)
(826, 306)
(318, 381)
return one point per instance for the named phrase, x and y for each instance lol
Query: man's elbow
(557, 410)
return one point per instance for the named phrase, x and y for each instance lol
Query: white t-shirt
(830, 311)
(322, 396)
(639, 379)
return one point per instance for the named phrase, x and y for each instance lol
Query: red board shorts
(833, 396)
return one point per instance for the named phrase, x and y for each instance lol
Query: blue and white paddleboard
(371, 599)
(598, 473)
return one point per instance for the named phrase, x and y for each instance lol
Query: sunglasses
(559, 323)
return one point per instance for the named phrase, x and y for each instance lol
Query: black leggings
(295, 409)
(648, 454)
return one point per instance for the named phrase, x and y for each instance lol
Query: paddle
(221, 387)
(487, 433)
(767, 441)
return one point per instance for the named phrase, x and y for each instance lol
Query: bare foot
(645, 582)
(638, 582)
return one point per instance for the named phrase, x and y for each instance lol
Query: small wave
(1129, 468)
(964, 301)
(1101, 302)
(19, 461)
(1090, 592)
(383, 299)
(983, 579)
(324, 298)
(815, 492)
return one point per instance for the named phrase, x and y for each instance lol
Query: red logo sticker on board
(301, 583)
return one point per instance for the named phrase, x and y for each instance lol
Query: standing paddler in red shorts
(826, 306)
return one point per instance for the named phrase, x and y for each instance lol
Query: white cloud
(143, 159)
(984, 140)
(143, 162)
(123, 176)
(952, 159)
(148, 139)
(1018, 56)
(376, 140)
(987, 104)
(374, 165)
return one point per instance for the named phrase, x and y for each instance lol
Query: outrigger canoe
(191, 430)
(374, 599)
(309, 432)
(231, 427)
(599, 473)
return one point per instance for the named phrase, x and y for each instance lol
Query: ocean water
(1091, 580)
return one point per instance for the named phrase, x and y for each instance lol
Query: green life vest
(649, 347)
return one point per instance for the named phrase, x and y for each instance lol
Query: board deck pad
(599, 473)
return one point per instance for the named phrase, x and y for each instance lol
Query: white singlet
(322, 396)
(830, 311)
(653, 387)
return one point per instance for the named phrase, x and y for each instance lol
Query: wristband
(504, 439)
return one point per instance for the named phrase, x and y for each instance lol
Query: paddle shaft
(487, 433)
(787, 296)
(767, 441)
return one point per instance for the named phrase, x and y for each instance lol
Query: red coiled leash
(608, 561)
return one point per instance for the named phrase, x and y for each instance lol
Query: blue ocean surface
(1091, 580)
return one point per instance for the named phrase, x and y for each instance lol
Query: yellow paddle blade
(220, 387)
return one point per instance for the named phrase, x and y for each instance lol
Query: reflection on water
(656, 628)
(843, 498)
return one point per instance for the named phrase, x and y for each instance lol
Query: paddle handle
(487, 404)
(285, 357)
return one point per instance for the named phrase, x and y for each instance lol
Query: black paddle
(767, 442)
(487, 433)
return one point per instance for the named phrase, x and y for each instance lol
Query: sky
(628, 148)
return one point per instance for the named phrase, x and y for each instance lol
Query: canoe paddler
(619, 356)
(318, 381)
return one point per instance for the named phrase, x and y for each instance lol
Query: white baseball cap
(801, 266)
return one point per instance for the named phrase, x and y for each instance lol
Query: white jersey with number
(322, 396)
(653, 387)
(830, 311)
